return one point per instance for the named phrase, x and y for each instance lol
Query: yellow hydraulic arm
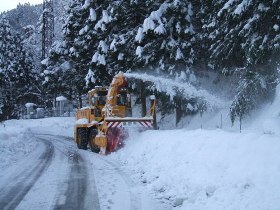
(109, 109)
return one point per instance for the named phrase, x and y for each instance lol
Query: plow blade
(118, 130)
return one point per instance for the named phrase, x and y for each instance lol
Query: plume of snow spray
(171, 87)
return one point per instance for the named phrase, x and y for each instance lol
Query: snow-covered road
(17, 182)
(56, 175)
(52, 176)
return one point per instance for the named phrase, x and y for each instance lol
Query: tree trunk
(154, 116)
(143, 99)
(80, 101)
(178, 110)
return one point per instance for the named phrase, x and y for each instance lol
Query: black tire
(78, 138)
(82, 140)
(92, 145)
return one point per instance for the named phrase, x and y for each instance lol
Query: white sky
(11, 4)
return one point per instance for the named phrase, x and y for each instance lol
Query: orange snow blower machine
(106, 121)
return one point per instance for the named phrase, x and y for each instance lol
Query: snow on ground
(207, 169)
(15, 141)
(188, 169)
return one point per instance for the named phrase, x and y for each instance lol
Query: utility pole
(47, 27)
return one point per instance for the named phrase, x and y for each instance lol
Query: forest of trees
(170, 38)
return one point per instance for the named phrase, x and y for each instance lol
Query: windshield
(101, 97)
(122, 97)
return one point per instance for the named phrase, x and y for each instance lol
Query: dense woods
(168, 38)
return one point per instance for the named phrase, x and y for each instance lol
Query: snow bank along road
(56, 175)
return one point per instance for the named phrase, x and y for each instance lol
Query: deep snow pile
(207, 169)
(14, 142)
(16, 136)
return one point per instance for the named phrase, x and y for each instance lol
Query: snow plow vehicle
(106, 121)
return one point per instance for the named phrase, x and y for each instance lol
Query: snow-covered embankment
(205, 169)
(16, 136)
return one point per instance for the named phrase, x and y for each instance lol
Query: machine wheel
(82, 140)
(92, 145)
(78, 138)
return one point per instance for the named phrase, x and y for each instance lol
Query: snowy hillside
(187, 169)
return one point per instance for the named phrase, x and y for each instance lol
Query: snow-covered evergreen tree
(165, 38)
(23, 15)
(64, 69)
(176, 38)
(18, 79)
(243, 40)
(60, 17)
(242, 32)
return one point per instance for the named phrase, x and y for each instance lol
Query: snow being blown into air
(172, 87)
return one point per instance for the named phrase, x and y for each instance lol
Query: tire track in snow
(76, 192)
(135, 202)
(20, 184)
(70, 189)
(108, 169)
